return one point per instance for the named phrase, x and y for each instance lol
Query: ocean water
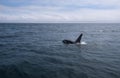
(36, 50)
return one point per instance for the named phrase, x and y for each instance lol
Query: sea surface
(35, 50)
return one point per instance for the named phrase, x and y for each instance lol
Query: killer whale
(78, 40)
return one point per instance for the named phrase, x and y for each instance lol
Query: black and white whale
(77, 41)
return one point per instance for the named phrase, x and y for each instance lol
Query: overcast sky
(60, 11)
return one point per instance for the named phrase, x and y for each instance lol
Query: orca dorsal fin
(78, 40)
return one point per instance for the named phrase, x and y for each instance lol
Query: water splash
(83, 43)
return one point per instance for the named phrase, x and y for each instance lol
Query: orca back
(68, 42)
(78, 40)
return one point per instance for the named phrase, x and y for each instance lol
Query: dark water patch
(8, 36)
(13, 71)
(1, 45)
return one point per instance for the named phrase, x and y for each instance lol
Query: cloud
(61, 11)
